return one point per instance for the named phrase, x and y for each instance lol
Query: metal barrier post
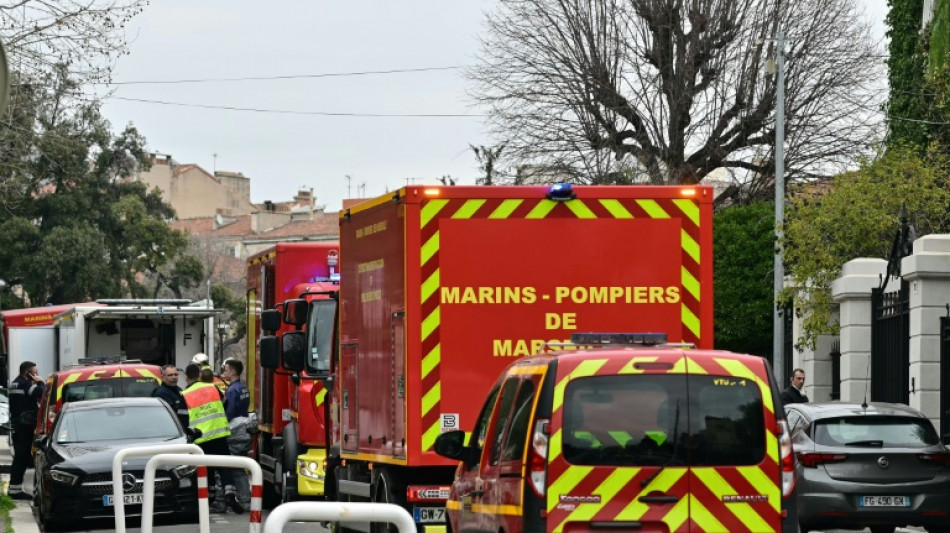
(229, 461)
(338, 512)
(118, 493)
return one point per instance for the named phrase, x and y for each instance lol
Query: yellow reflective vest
(206, 412)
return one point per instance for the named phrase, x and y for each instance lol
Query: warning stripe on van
(435, 209)
(720, 498)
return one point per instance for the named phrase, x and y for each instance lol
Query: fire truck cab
(626, 432)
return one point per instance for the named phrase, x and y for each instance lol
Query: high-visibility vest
(206, 412)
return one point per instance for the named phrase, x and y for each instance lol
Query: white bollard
(338, 512)
(229, 461)
(118, 492)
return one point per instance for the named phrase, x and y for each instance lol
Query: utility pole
(349, 186)
(778, 326)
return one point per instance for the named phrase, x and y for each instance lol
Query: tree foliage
(76, 225)
(664, 91)
(744, 238)
(857, 216)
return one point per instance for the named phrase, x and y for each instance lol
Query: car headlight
(310, 469)
(183, 471)
(63, 477)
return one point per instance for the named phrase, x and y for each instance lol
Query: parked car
(877, 465)
(625, 438)
(74, 462)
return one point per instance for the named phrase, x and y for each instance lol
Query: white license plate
(884, 501)
(424, 515)
(129, 499)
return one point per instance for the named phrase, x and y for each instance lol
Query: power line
(294, 112)
(286, 77)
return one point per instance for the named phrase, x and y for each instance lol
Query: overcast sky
(283, 152)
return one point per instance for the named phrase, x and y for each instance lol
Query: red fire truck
(291, 443)
(443, 286)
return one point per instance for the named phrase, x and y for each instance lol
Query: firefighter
(26, 390)
(201, 360)
(171, 393)
(206, 413)
(236, 404)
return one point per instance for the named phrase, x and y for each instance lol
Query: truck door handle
(659, 499)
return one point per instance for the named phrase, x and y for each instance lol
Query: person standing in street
(171, 393)
(201, 360)
(206, 413)
(26, 390)
(795, 393)
(237, 400)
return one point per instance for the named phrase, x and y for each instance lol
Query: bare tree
(488, 158)
(666, 91)
(85, 35)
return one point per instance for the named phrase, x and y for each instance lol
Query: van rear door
(617, 456)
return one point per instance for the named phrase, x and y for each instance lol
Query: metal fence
(945, 373)
(890, 345)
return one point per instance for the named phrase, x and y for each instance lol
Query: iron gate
(945, 374)
(890, 345)
(836, 370)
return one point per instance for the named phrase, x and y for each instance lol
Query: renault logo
(128, 482)
(883, 462)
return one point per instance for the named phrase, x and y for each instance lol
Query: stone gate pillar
(927, 272)
(852, 291)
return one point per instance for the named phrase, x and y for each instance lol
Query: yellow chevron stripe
(666, 479)
(148, 373)
(720, 487)
(680, 366)
(431, 360)
(430, 324)
(677, 515)
(653, 209)
(690, 246)
(542, 209)
(630, 367)
(695, 368)
(429, 249)
(585, 368)
(431, 398)
(69, 379)
(690, 320)
(762, 483)
(579, 208)
(689, 208)
(771, 446)
(703, 518)
(566, 483)
(738, 369)
(428, 438)
(468, 209)
(606, 490)
(430, 286)
(505, 209)
(616, 208)
(554, 446)
(321, 397)
(430, 210)
(690, 283)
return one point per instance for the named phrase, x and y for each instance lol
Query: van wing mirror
(270, 320)
(295, 312)
(270, 352)
(451, 444)
(293, 351)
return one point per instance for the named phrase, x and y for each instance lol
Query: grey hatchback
(877, 465)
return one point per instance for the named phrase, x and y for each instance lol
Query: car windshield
(98, 389)
(884, 431)
(117, 422)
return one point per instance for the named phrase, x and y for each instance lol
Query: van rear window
(653, 420)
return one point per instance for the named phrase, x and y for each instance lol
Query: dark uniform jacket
(25, 395)
(791, 395)
(173, 397)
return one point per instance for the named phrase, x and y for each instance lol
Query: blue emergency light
(630, 339)
(561, 192)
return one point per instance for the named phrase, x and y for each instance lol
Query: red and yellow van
(625, 437)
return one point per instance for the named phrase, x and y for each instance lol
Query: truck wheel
(384, 491)
(288, 488)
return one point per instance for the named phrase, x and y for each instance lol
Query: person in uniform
(171, 393)
(206, 413)
(26, 390)
(201, 360)
(237, 400)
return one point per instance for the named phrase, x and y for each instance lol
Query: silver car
(876, 465)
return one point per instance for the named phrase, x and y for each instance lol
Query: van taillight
(538, 457)
(788, 458)
(812, 460)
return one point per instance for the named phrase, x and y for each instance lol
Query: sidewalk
(21, 518)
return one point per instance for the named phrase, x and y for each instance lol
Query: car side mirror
(451, 444)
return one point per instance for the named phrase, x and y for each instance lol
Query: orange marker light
(432, 192)
(688, 192)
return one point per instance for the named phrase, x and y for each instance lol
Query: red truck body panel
(282, 272)
(443, 286)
